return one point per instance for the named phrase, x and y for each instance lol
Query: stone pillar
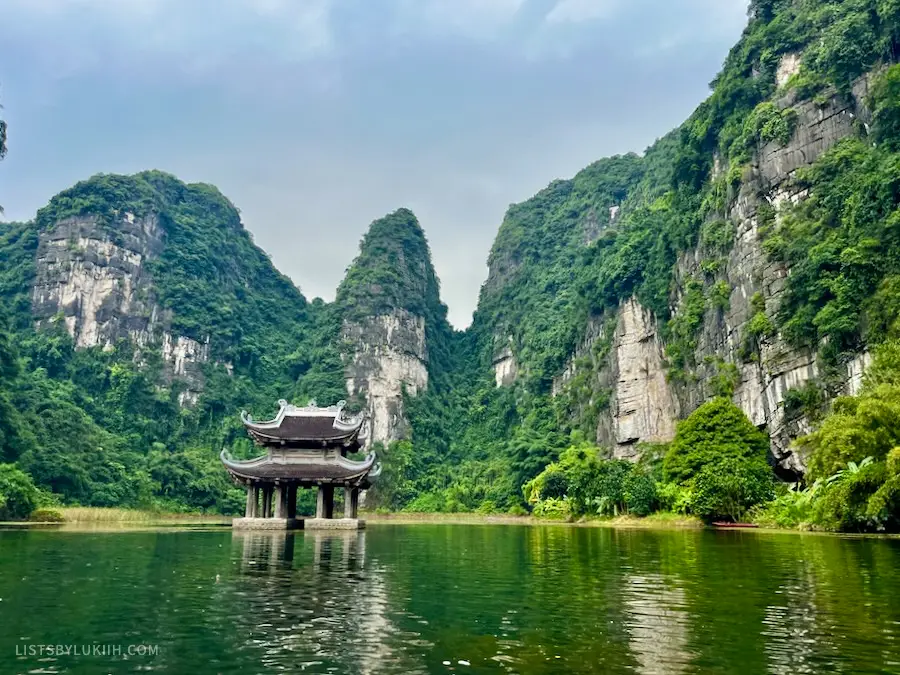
(329, 501)
(279, 501)
(320, 502)
(267, 502)
(292, 501)
(351, 500)
(248, 511)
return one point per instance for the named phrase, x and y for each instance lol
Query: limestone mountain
(394, 331)
(145, 317)
(149, 259)
(746, 254)
(752, 253)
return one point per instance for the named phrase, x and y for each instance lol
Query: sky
(316, 117)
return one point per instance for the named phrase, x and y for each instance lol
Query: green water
(407, 599)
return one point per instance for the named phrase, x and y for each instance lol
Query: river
(447, 598)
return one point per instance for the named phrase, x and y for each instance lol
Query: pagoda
(305, 447)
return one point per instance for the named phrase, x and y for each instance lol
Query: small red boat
(735, 525)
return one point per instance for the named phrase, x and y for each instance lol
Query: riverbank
(90, 517)
(93, 514)
(655, 521)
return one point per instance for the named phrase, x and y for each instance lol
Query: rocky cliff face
(390, 308)
(644, 404)
(388, 357)
(100, 285)
(749, 272)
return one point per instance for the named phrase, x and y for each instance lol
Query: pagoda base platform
(334, 524)
(267, 523)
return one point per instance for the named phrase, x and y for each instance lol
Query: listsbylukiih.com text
(96, 650)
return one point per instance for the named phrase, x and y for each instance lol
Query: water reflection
(313, 594)
(432, 599)
(658, 624)
(793, 643)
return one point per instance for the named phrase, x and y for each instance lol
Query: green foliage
(859, 427)
(553, 509)
(684, 328)
(639, 492)
(842, 246)
(854, 458)
(674, 498)
(792, 508)
(45, 515)
(720, 295)
(587, 485)
(715, 431)
(532, 295)
(807, 400)
(716, 236)
(885, 104)
(18, 494)
(848, 45)
(726, 379)
(392, 271)
(728, 486)
(766, 124)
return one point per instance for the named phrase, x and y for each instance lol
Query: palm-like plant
(852, 469)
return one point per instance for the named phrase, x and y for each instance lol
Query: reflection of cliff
(313, 601)
(657, 623)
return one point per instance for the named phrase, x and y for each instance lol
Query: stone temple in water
(305, 447)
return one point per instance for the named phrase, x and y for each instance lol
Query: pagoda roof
(303, 468)
(309, 425)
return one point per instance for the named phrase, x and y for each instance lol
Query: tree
(716, 430)
(730, 486)
(18, 494)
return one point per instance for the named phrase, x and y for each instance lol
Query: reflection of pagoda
(306, 447)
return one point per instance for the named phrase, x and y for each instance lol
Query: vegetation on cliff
(103, 427)
(392, 272)
(564, 257)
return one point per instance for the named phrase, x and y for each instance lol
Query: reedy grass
(96, 514)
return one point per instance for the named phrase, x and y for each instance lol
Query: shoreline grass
(98, 514)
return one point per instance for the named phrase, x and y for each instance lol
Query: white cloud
(577, 11)
(209, 29)
(469, 18)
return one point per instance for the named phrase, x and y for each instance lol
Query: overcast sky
(316, 117)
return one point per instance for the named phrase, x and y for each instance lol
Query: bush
(793, 508)
(728, 488)
(487, 506)
(18, 494)
(556, 485)
(554, 509)
(639, 490)
(517, 510)
(843, 503)
(46, 516)
(674, 497)
(429, 502)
